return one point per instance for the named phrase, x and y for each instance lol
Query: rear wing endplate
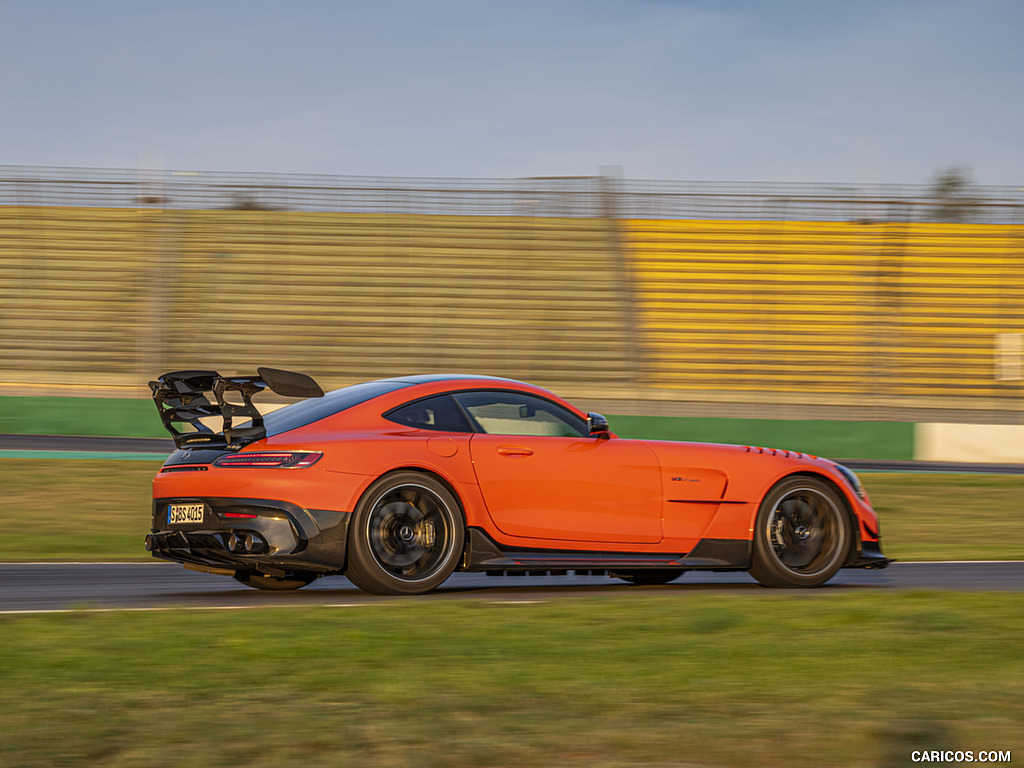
(183, 398)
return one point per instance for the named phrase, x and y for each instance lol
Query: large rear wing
(183, 398)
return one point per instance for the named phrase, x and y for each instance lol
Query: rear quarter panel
(356, 460)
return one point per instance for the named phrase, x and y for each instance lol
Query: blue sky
(863, 91)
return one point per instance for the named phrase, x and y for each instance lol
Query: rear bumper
(245, 534)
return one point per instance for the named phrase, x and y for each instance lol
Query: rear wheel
(263, 581)
(406, 535)
(802, 535)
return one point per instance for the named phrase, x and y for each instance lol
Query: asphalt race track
(40, 587)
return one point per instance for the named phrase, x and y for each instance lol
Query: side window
(515, 413)
(437, 413)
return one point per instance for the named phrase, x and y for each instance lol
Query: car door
(543, 477)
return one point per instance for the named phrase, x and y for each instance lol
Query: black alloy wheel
(803, 534)
(406, 536)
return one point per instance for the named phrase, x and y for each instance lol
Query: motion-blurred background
(659, 298)
(359, 190)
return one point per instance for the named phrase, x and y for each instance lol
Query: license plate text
(185, 513)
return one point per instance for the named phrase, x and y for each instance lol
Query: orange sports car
(398, 483)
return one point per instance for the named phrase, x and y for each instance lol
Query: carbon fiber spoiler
(184, 397)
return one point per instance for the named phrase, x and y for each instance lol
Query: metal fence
(646, 297)
(550, 197)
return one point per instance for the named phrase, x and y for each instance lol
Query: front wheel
(406, 535)
(802, 535)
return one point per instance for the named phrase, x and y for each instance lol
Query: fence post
(636, 378)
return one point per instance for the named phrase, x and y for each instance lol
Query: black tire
(406, 536)
(262, 581)
(651, 577)
(802, 535)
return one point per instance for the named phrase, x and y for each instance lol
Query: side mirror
(597, 426)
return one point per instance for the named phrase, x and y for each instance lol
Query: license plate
(178, 514)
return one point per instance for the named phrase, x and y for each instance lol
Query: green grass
(108, 417)
(826, 678)
(949, 517)
(67, 510)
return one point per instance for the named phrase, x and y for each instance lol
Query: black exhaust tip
(245, 542)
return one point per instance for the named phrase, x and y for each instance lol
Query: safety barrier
(613, 292)
(801, 311)
(105, 299)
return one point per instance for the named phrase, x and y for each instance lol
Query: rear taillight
(270, 459)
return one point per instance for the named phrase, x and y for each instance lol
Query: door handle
(514, 450)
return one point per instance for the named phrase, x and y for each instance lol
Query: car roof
(426, 378)
(386, 394)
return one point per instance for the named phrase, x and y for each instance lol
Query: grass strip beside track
(891, 440)
(780, 679)
(99, 416)
(121, 417)
(81, 510)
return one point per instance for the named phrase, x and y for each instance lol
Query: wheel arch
(840, 490)
(450, 486)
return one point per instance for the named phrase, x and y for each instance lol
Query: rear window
(315, 408)
(440, 413)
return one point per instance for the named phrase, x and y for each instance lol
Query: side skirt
(482, 553)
